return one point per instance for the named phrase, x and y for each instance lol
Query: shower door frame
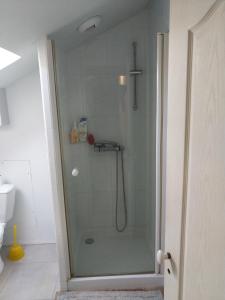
(49, 99)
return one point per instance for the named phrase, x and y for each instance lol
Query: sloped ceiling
(24, 22)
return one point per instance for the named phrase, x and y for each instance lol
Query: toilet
(7, 201)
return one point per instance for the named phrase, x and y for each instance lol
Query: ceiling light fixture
(7, 58)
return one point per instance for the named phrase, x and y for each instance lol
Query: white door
(195, 191)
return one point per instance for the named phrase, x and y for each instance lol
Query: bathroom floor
(114, 255)
(35, 277)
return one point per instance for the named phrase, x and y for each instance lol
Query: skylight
(7, 58)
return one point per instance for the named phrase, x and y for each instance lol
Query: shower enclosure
(106, 86)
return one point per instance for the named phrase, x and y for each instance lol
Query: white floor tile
(36, 253)
(33, 278)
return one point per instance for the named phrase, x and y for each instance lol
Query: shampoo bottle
(83, 129)
(74, 136)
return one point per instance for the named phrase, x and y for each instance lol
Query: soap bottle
(74, 136)
(83, 129)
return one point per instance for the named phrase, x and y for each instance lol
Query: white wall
(23, 161)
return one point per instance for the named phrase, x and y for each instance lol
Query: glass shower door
(107, 130)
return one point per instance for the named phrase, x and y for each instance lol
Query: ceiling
(24, 22)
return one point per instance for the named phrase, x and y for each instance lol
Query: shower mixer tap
(107, 146)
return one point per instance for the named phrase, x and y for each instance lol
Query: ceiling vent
(90, 24)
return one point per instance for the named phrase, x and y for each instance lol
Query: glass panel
(109, 185)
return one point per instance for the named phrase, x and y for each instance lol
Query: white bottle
(1, 180)
(83, 129)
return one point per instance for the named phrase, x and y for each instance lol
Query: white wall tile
(101, 209)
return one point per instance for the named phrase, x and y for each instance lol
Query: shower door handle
(75, 172)
(162, 256)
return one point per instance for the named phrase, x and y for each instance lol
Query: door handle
(161, 256)
(75, 172)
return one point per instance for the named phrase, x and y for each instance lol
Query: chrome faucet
(104, 146)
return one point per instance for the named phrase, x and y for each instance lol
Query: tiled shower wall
(88, 87)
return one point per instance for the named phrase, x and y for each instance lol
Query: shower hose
(122, 228)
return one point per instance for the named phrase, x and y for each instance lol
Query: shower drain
(89, 241)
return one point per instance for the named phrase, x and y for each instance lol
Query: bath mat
(111, 295)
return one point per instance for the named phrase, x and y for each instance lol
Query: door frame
(48, 91)
(161, 120)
